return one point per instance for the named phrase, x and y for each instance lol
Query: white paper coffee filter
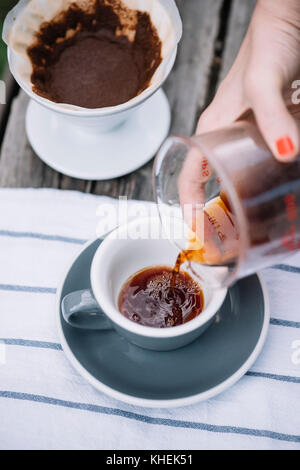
(23, 21)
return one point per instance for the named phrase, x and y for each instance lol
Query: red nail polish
(285, 146)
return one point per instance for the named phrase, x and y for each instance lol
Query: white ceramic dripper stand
(94, 144)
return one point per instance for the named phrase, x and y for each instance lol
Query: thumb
(278, 127)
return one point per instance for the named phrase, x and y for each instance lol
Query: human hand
(261, 79)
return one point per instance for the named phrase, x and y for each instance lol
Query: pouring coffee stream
(247, 204)
(219, 245)
(220, 237)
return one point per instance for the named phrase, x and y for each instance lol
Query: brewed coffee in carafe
(250, 212)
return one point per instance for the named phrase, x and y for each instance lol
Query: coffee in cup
(159, 297)
(117, 257)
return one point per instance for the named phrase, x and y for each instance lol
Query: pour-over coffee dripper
(98, 143)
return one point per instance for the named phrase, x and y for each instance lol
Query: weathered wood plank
(240, 16)
(188, 84)
(11, 89)
(75, 184)
(186, 87)
(19, 166)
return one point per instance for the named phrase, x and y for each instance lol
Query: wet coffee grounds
(83, 58)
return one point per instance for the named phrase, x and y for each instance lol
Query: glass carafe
(227, 203)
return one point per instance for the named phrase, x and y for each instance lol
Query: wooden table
(213, 32)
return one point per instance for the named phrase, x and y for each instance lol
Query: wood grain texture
(11, 88)
(240, 16)
(187, 89)
(19, 166)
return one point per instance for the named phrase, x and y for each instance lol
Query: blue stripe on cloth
(42, 236)
(80, 241)
(31, 344)
(281, 378)
(287, 323)
(149, 419)
(58, 347)
(52, 290)
(31, 289)
(287, 268)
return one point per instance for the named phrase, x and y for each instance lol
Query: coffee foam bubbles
(24, 21)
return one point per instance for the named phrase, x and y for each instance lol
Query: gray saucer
(215, 361)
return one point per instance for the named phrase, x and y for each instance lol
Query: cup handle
(81, 310)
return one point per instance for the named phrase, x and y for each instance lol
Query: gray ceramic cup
(125, 251)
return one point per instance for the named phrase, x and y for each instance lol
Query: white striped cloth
(46, 404)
